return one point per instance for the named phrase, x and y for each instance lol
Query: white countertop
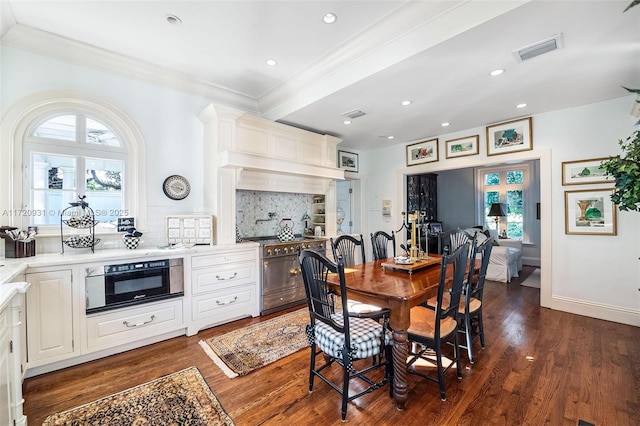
(13, 267)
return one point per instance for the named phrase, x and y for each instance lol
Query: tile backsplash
(254, 205)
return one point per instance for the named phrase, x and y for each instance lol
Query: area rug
(241, 351)
(532, 280)
(181, 398)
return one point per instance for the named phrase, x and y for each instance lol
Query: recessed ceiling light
(496, 72)
(329, 18)
(271, 62)
(521, 105)
(445, 124)
(347, 121)
(389, 137)
(407, 102)
(173, 20)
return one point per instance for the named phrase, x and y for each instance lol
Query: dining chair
(431, 329)
(380, 242)
(345, 246)
(473, 292)
(470, 305)
(458, 238)
(341, 338)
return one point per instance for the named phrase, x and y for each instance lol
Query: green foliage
(626, 172)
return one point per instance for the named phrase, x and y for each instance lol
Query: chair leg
(345, 384)
(312, 367)
(440, 371)
(467, 333)
(388, 369)
(456, 353)
(481, 326)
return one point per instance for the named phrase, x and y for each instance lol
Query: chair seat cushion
(365, 336)
(474, 304)
(423, 323)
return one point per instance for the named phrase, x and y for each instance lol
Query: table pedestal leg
(400, 352)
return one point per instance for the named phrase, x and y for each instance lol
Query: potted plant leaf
(626, 172)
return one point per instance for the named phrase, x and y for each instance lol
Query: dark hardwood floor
(581, 368)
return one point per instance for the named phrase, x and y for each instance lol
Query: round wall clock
(176, 187)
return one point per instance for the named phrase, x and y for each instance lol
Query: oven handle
(127, 324)
(235, 274)
(226, 303)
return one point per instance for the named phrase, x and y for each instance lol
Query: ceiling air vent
(539, 48)
(354, 114)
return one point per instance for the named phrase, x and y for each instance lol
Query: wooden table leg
(400, 352)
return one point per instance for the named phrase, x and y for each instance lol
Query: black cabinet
(422, 191)
(422, 197)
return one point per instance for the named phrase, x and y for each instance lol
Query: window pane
(98, 133)
(515, 218)
(515, 177)
(53, 172)
(61, 127)
(492, 179)
(490, 197)
(104, 188)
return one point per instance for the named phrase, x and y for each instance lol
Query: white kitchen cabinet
(114, 328)
(10, 344)
(318, 213)
(50, 317)
(224, 286)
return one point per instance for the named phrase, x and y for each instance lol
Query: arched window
(72, 154)
(71, 146)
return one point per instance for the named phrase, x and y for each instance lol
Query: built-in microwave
(114, 286)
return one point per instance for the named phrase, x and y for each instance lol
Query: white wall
(167, 119)
(591, 275)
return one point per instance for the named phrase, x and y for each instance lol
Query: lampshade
(496, 209)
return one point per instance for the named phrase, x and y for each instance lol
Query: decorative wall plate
(176, 187)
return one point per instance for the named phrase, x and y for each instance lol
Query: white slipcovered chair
(506, 257)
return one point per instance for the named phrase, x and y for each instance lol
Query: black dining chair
(433, 328)
(470, 306)
(380, 242)
(346, 246)
(341, 338)
(470, 309)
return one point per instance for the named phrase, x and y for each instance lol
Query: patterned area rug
(177, 399)
(242, 351)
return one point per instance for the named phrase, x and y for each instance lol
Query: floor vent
(539, 48)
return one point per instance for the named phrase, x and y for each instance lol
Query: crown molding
(65, 49)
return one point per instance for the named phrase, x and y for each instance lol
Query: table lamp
(497, 210)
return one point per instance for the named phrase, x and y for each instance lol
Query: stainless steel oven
(281, 281)
(114, 286)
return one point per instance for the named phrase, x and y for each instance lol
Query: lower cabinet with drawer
(224, 287)
(132, 324)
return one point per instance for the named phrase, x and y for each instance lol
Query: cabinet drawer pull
(235, 274)
(226, 303)
(126, 323)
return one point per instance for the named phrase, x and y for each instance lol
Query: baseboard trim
(596, 310)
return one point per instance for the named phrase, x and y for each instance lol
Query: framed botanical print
(590, 212)
(348, 161)
(510, 136)
(584, 171)
(462, 147)
(422, 152)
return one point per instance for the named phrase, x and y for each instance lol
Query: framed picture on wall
(462, 147)
(422, 152)
(590, 212)
(510, 136)
(348, 161)
(584, 171)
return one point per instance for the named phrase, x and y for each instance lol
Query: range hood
(245, 152)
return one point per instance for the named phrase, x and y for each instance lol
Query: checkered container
(131, 242)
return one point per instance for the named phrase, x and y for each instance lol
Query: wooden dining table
(399, 291)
